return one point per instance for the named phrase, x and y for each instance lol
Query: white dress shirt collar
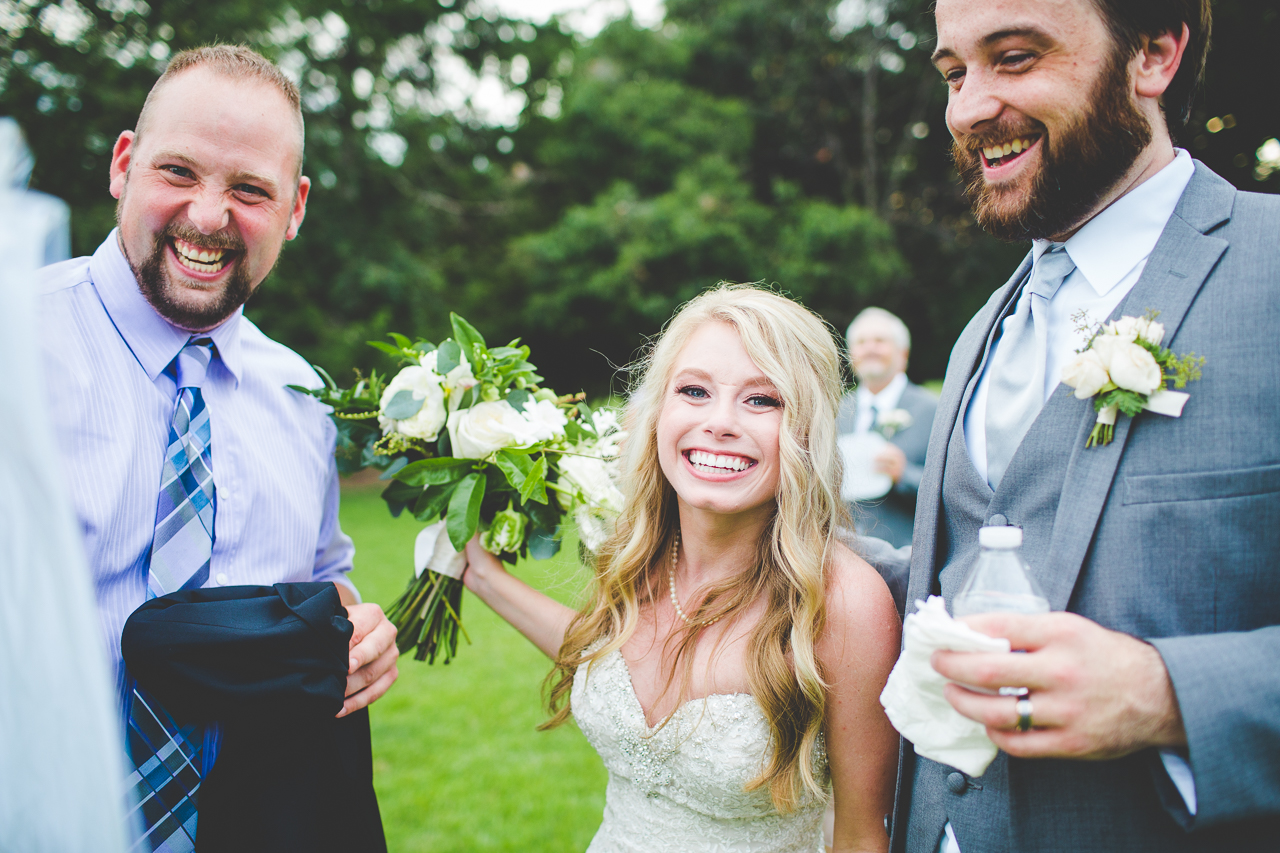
(154, 341)
(1108, 247)
(886, 400)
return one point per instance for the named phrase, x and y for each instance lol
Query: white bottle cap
(1000, 537)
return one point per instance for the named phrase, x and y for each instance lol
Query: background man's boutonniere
(893, 421)
(1124, 369)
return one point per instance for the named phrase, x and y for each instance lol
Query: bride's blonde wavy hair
(797, 352)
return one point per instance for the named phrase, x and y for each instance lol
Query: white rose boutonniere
(1124, 368)
(893, 421)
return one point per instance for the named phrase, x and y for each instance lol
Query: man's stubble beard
(1077, 169)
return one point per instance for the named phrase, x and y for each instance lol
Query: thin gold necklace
(671, 582)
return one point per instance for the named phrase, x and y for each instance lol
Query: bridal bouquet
(471, 442)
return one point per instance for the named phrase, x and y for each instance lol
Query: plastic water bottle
(1000, 582)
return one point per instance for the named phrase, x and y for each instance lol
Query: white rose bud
(1134, 369)
(1126, 328)
(1086, 373)
(1151, 331)
(425, 385)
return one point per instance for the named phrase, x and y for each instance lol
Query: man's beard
(166, 297)
(1077, 169)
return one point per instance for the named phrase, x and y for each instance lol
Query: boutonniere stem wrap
(1124, 368)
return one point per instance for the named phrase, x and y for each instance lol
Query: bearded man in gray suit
(1154, 708)
(887, 402)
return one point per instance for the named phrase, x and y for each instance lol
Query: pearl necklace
(671, 582)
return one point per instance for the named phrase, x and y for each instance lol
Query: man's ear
(121, 157)
(1157, 61)
(299, 207)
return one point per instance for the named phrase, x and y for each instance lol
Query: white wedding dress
(679, 788)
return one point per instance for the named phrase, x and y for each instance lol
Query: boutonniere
(893, 421)
(1124, 368)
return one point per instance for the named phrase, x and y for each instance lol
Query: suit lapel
(1178, 267)
(962, 368)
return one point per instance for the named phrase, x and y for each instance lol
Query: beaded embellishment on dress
(680, 788)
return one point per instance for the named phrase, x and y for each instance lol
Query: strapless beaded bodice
(681, 787)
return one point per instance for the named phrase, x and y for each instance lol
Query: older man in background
(886, 403)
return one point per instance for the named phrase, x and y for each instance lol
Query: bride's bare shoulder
(860, 607)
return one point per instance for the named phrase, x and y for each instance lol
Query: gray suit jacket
(1170, 533)
(891, 518)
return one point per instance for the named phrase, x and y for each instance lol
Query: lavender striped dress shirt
(105, 353)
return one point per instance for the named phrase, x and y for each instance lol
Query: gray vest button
(997, 520)
(957, 783)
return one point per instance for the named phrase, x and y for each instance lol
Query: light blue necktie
(1015, 378)
(170, 761)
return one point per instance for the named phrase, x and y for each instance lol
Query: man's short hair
(901, 336)
(238, 63)
(1130, 20)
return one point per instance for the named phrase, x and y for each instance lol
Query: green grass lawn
(458, 764)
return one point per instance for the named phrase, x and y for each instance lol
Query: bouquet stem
(428, 617)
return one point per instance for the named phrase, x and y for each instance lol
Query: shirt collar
(1111, 244)
(887, 398)
(154, 341)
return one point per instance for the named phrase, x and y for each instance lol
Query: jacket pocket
(1201, 486)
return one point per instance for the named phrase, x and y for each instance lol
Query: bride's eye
(695, 391)
(764, 401)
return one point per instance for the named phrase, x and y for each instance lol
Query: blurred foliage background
(799, 142)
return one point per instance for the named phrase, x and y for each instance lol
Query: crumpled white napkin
(433, 550)
(913, 698)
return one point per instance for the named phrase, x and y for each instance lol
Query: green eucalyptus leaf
(543, 545)
(437, 472)
(518, 398)
(448, 356)
(394, 468)
(424, 347)
(403, 405)
(463, 516)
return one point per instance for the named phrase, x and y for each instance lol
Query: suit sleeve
(1228, 689)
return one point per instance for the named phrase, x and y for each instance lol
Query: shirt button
(997, 520)
(222, 579)
(956, 783)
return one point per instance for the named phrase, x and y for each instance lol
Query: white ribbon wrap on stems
(433, 550)
(913, 698)
(1163, 402)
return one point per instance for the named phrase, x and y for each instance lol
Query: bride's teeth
(713, 460)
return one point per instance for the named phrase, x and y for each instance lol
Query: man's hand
(372, 667)
(1095, 693)
(892, 461)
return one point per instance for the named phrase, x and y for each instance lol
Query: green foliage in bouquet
(464, 433)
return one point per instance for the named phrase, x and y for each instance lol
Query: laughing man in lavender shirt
(209, 187)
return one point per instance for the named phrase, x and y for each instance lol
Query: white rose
(478, 431)
(1151, 331)
(459, 379)
(1086, 373)
(1133, 368)
(425, 385)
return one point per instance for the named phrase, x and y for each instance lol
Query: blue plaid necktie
(170, 761)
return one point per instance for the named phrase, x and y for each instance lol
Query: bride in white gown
(728, 662)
